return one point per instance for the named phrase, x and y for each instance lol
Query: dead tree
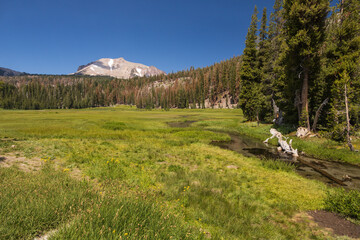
(278, 116)
(347, 121)
(286, 147)
(317, 115)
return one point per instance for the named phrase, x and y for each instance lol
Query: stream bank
(329, 172)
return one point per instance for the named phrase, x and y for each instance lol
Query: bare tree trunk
(347, 121)
(342, 7)
(317, 115)
(298, 103)
(304, 99)
(257, 118)
(278, 118)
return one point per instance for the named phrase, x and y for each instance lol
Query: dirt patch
(35, 164)
(232, 167)
(23, 163)
(339, 225)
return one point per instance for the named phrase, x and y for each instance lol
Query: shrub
(344, 202)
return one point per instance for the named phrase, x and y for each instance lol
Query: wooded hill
(304, 57)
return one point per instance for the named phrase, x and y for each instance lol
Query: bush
(338, 133)
(346, 203)
(278, 165)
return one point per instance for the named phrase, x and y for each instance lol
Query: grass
(146, 179)
(33, 203)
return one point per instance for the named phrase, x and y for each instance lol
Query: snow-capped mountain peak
(119, 68)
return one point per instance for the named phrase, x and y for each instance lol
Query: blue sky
(56, 36)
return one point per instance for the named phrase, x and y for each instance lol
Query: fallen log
(322, 172)
(286, 147)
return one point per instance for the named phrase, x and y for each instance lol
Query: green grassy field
(111, 173)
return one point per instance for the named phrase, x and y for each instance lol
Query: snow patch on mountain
(110, 63)
(138, 73)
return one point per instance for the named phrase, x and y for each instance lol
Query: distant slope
(119, 68)
(9, 72)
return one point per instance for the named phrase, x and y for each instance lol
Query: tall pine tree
(264, 59)
(251, 98)
(304, 32)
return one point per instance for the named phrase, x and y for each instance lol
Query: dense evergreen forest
(303, 59)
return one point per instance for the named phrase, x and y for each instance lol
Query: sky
(57, 36)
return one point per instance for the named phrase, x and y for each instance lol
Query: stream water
(329, 172)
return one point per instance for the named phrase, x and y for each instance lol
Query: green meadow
(124, 173)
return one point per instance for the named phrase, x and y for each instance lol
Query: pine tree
(276, 49)
(264, 67)
(251, 97)
(342, 60)
(304, 32)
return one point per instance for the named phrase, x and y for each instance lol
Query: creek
(330, 172)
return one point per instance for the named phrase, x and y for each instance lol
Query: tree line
(184, 89)
(307, 62)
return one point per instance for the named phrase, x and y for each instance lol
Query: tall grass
(36, 202)
(114, 218)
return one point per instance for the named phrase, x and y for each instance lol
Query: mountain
(119, 68)
(9, 72)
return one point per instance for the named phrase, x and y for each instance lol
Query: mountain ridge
(10, 72)
(118, 67)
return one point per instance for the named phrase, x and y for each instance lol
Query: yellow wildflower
(126, 234)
